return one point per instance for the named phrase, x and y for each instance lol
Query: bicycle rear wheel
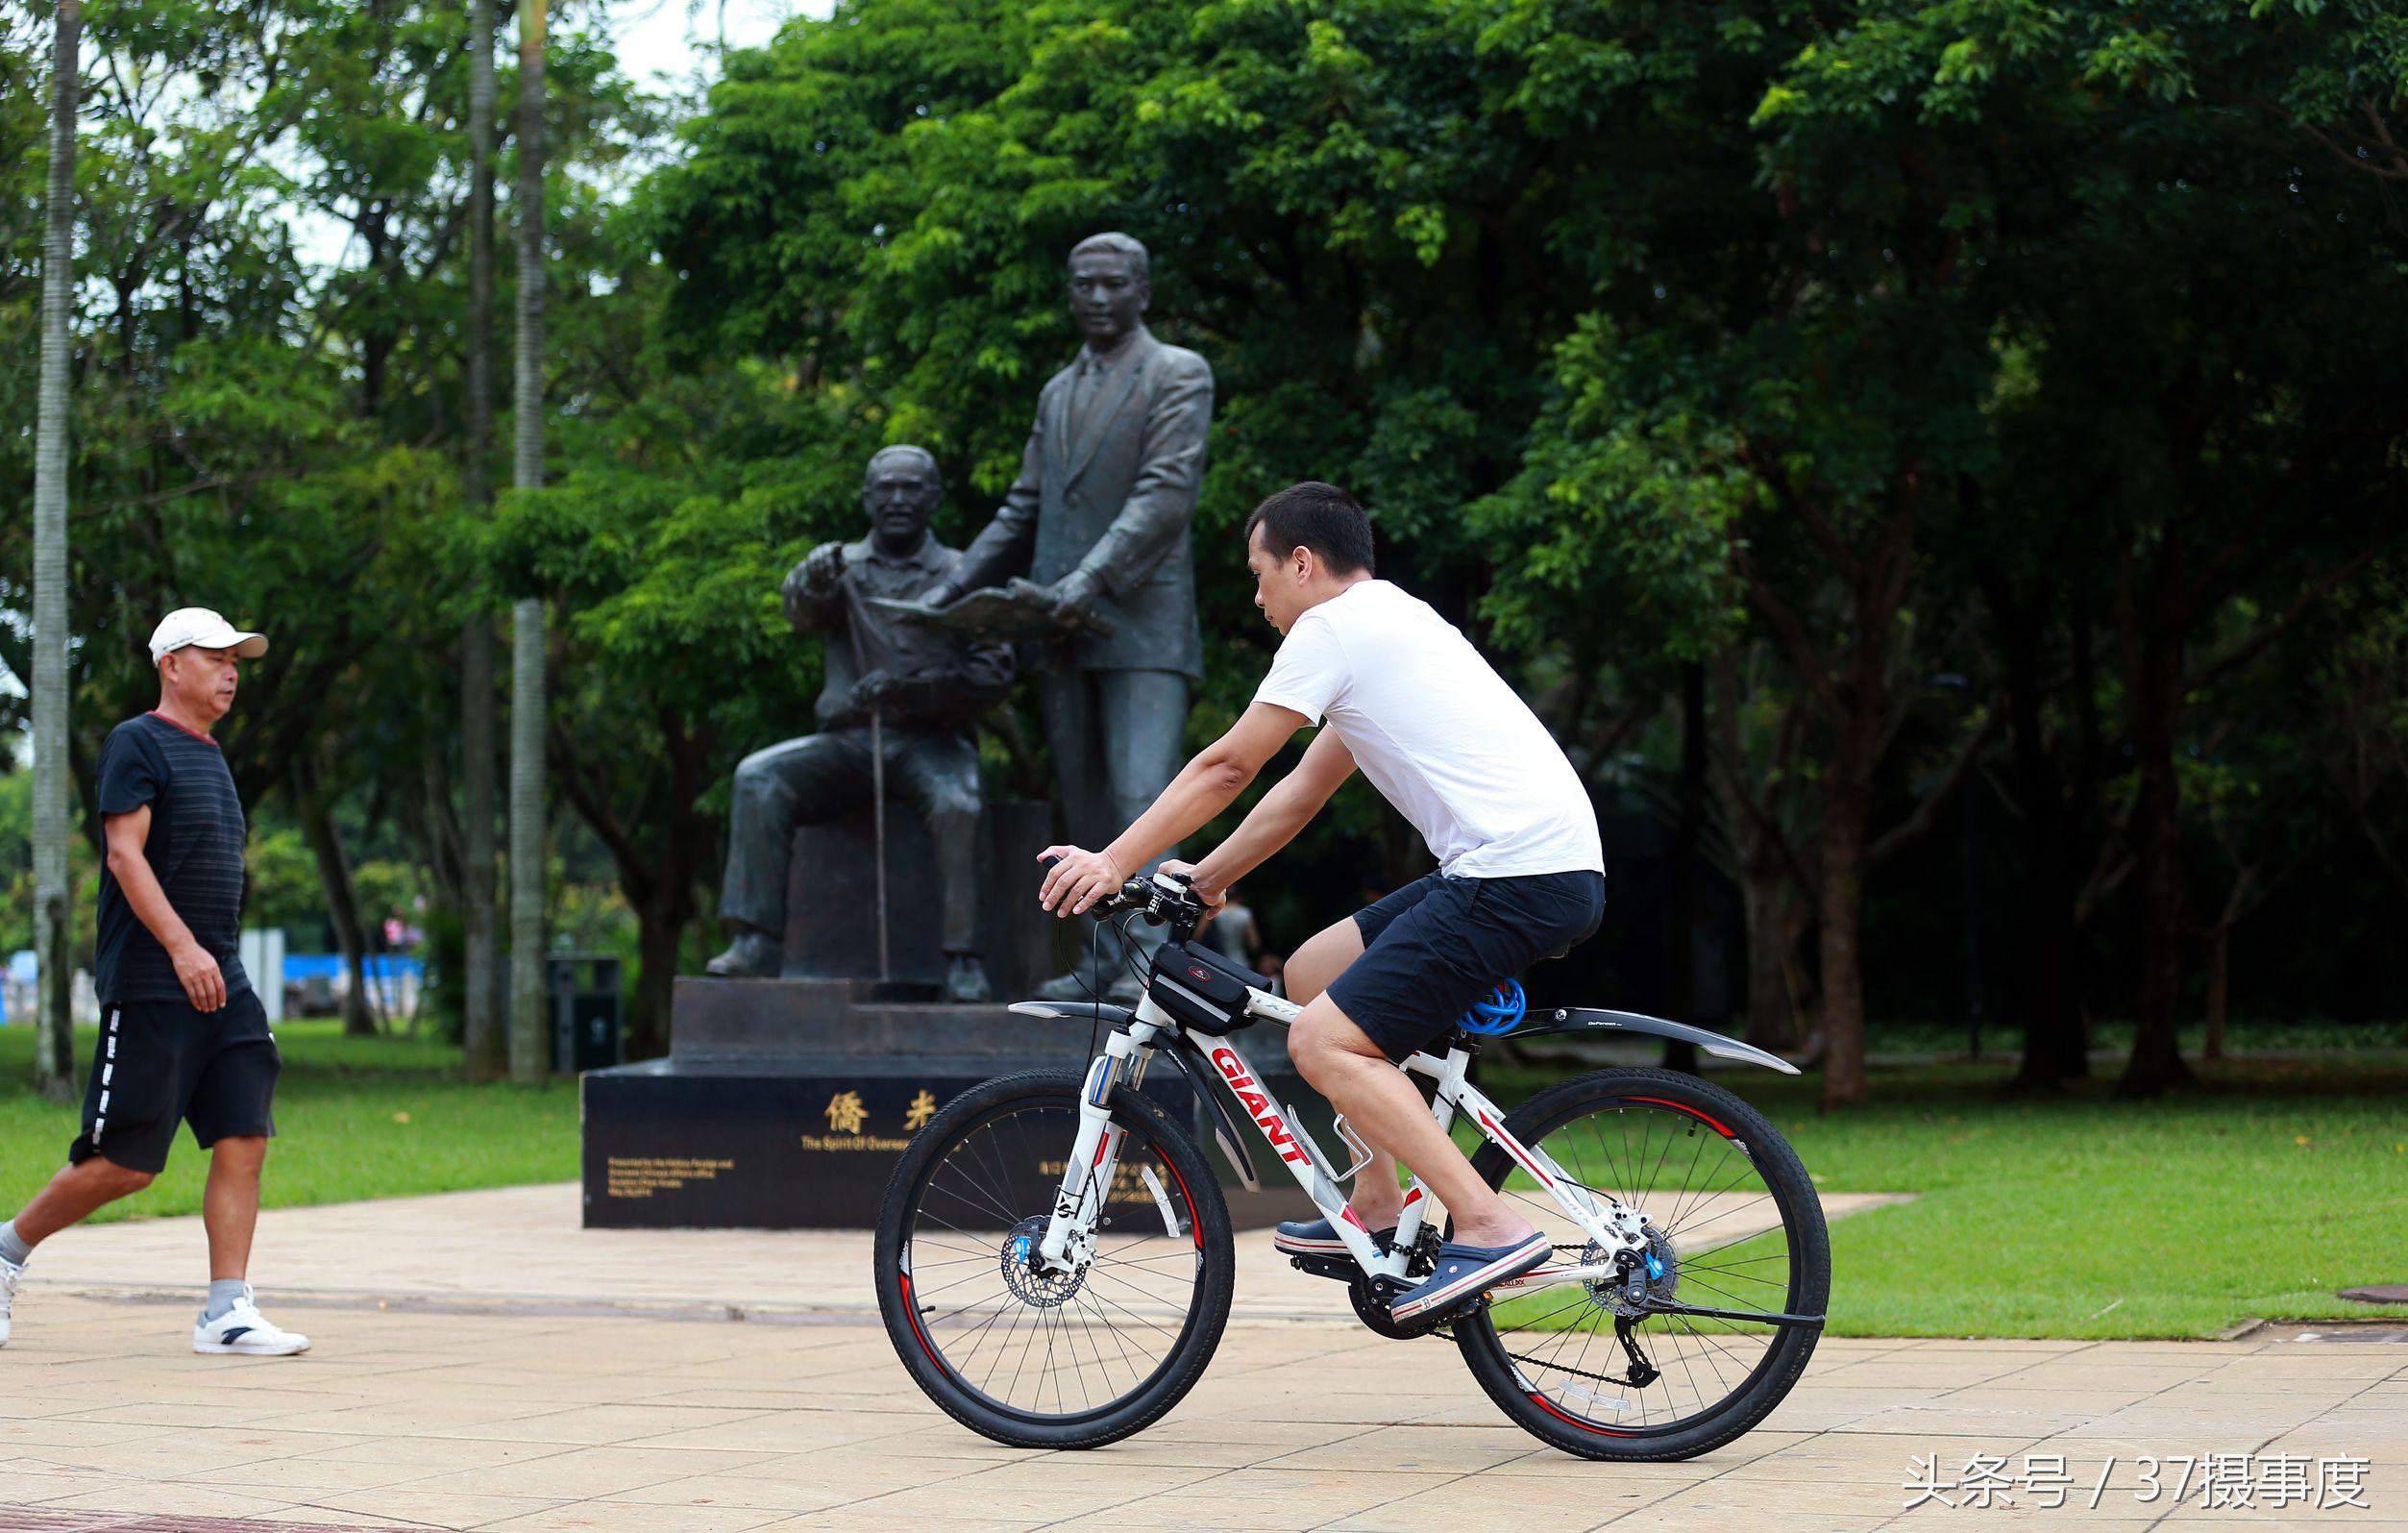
(1734, 1228)
(1071, 1358)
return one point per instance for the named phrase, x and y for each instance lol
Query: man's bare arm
(1203, 788)
(1274, 822)
(196, 970)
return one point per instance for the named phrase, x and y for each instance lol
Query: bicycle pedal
(1336, 1267)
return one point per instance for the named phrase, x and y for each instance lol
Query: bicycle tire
(1542, 1409)
(914, 1325)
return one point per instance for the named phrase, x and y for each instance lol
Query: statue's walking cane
(877, 806)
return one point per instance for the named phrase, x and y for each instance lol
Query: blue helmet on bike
(1501, 1013)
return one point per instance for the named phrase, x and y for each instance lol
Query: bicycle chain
(1443, 1334)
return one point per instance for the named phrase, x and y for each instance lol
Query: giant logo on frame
(1258, 1105)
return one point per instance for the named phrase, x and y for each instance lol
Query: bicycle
(1071, 1303)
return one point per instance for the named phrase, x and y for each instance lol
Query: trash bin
(588, 1011)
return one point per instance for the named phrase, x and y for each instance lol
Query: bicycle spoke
(1688, 1185)
(1100, 1330)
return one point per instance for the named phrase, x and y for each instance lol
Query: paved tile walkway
(480, 1410)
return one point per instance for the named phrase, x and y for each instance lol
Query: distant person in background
(182, 1036)
(1235, 932)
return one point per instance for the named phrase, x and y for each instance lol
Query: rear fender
(1591, 1020)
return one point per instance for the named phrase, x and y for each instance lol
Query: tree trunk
(662, 924)
(2156, 1061)
(2056, 1037)
(531, 1049)
(1851, 693)
(530, 1017)
(484, 1047)
(1760, 864)
(54, 1038)
(2047, 987)
(1766, 901)
(1804, 999)
(485, 1052)
(1681, 869)
(2218, 987)
(1847, 805)
(342, 904)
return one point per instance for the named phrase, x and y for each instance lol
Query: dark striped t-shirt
(195, 848)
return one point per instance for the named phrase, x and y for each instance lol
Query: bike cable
(1094, 1030)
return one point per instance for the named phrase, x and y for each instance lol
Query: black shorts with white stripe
(161, 1062)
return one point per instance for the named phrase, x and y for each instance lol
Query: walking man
(183, 1035)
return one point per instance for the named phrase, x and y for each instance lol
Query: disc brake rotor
(1030, 1284)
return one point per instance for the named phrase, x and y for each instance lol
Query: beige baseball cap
(188, 626)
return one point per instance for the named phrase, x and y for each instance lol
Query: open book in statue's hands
(1022, 609)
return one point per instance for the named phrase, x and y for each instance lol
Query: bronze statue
(1100, 518)
(914, 689)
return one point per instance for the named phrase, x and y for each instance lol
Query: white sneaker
(11, 1274)
(244, 1331)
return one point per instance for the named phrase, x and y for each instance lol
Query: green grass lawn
(2257, 1195)
(356, 1118)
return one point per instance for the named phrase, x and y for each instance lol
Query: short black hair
(1321, 517)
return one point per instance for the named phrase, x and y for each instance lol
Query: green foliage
(16, 865)
(1341, 217)
(283, 890)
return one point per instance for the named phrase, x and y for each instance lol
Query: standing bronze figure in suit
(1100, 516)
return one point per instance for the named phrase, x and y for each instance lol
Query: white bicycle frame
(1612, 1226)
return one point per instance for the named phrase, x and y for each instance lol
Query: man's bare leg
(1386, 1108)
(74, 1194)
(230, 1210)
(1376, 1197)
(230, 1204)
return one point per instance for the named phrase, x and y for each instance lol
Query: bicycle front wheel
(1074, 1356)
(1727, 1306)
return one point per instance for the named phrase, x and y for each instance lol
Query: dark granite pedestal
(787, 1104)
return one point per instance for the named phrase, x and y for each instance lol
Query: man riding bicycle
(1520, 878)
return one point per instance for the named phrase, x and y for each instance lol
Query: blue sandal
(1464, 1270)
(1299, 1237)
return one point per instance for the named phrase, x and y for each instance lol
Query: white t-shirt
(1438, 734)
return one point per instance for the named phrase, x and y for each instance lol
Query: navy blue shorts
(160, 1063)
(1439, 944)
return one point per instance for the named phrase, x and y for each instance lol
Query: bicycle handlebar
(1162, 898)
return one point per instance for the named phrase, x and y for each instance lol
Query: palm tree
(484, 1050)
(54, 1046)
(529, 1036)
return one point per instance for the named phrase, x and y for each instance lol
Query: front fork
(1095, 1153)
